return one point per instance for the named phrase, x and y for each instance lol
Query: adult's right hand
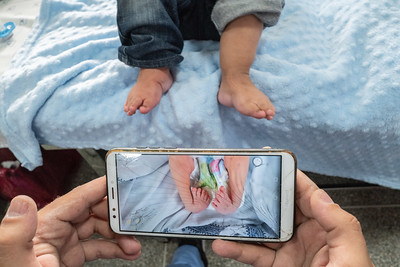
(325, 235)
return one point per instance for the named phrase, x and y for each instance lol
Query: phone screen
(207, 195)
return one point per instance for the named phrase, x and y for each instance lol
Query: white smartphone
(232, 194)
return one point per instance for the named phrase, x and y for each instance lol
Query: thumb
(345, 240)
(17, 230)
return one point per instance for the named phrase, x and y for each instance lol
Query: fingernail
(18, 207)
(325, 197)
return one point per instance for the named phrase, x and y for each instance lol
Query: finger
(345, 239)
(321, 258)
(129, 244)
(256, 255)
(94, 225)
(75, 205)
(100, 210)
(104, 249)
(17, 230)
(299, 217)
(304, 189)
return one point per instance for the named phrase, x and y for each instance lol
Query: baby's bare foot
(222, 203)
(201, 200)
(238, 91)
(148, 89)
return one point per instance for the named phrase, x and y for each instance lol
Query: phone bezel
(288, 188)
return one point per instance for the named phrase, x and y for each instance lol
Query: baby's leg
(150, 40)
(195, 199)
(238, 48)
(148, 89)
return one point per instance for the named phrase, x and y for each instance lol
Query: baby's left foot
(238, 91)
(201, 200)
(222, 203)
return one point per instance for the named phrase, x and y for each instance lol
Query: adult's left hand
(59, 234)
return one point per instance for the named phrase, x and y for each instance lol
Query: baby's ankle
(235, 74)
(155, 72)
(162, 76)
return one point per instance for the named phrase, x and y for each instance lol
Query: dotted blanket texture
(331, 68)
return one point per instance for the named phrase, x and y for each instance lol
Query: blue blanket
(331, 68)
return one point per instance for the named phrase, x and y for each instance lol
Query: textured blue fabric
(186, 256)
(331, 69)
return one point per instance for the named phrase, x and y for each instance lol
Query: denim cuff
(225, 11)
(151, 64)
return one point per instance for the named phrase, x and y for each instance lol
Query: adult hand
(58, 235)
(325, 235)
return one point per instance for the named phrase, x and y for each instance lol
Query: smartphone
(232, 194)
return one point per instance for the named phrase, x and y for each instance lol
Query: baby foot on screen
(201, 200)
(222, 203)
(151, 84)
(240, 92)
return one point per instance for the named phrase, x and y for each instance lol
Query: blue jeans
(186, 256)
(152, 31)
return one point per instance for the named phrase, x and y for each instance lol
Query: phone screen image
(215, 196)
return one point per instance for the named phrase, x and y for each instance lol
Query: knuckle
(355, 223)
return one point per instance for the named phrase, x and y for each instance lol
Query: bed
(331, 69)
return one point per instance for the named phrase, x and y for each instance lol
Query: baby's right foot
(238, 91)
(148, 89)
(223, 203)
(201, 200)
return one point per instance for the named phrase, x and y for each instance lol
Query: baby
(152, 34)
(203, 180)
